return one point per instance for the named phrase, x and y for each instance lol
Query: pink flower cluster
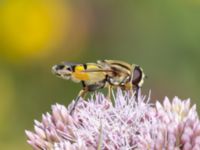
(125, 124)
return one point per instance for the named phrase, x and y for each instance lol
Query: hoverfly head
(63, 71)
(138, 76)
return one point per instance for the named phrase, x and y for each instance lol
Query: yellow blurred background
(161, 36)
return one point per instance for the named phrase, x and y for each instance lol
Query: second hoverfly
(103, 74)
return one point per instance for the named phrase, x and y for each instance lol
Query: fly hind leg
(82, 93)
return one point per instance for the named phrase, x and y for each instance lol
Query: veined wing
(115, 62)
(117, 66)
(97, 70)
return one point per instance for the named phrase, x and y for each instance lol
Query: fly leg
(82, 93)
(137, 92)
(109, 92)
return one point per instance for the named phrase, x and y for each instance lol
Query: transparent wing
(97, 70)
(118, 67)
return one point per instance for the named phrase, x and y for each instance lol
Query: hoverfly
(103, 74)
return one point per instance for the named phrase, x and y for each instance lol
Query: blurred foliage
(161, 36)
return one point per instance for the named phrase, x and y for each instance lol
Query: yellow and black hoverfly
(103, 74)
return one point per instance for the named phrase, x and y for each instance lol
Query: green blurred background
(161, 36)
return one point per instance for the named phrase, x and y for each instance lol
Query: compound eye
(137, 75)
